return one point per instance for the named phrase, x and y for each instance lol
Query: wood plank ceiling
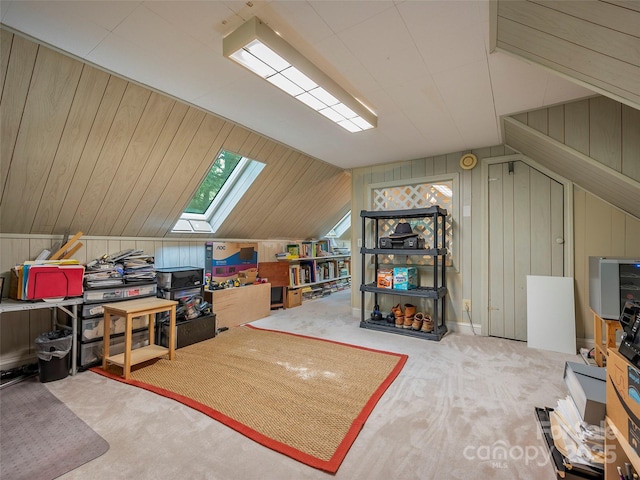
(83, 150)
(594, 42)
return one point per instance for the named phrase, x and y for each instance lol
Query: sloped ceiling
(597, 43)
(423, 67)
(83, 150)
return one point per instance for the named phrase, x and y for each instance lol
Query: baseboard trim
(7, 362)
(464, 328)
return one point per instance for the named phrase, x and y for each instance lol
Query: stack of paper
(578, 441)
(125, 266)
(101, 273)
(139, 268)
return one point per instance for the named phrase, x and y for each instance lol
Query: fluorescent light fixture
(258, 48)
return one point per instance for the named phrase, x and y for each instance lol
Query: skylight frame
(340, 227)
(236, 185)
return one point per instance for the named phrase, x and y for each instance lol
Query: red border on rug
(330, 465)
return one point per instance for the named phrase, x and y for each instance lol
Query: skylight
(342, 226)
(227, 181)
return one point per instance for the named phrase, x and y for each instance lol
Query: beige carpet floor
(302, 396)
(457, 406)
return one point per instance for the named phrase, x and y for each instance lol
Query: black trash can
(53, 350)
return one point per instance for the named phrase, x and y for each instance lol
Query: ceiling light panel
(261, 50)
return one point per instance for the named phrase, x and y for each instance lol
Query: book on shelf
(322, 248)
(293, 249)
(332, 269)
(310, 267)
(305, 273)
(319, 273)
(308, 249)
(294, 275)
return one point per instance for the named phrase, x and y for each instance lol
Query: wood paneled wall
(595, 143)
(465, 279)
(594, 42)
(601, 131)
(600, 230)
(84, 150)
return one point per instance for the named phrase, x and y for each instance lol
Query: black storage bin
(179, 277)
(190, 331)
(54, 360)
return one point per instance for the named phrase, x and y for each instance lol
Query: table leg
(127, 347)
(612, 328)
(106, 339)
(172, 332)
(74, 340)
(597, 340)
(152, 323)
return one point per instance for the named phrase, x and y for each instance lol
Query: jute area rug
(304, 397)
(40, 437)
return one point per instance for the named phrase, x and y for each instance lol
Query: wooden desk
(238, 305)
(134, 308)
(600, 346)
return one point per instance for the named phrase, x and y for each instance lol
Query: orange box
(385, 278)
(623, 399)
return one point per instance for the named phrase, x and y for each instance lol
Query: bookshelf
(315, 268)
(309, 271)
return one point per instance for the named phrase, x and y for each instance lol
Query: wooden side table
(134, 308)
(600, 346)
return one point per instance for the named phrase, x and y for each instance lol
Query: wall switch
(359, 242)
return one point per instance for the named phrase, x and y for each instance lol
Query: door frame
(567, 225)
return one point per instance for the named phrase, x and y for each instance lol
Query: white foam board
(551, 318)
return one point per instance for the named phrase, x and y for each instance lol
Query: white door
(526, 237)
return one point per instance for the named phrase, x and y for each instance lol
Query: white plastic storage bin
(120, 293)
(91, 353)
(93, 328)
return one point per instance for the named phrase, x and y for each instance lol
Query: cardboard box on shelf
(385, 278)
(405, 278)
(248, 276)
(623, 397)
(294, 298)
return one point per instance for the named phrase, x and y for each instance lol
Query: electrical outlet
(466, 305)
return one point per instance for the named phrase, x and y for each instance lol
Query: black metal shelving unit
(436, 292)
